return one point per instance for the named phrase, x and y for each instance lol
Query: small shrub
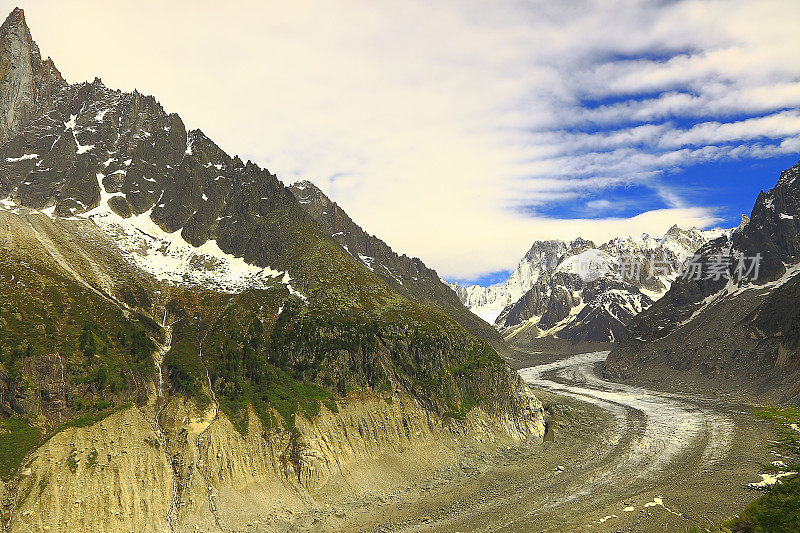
(91, 460)
(72, 461)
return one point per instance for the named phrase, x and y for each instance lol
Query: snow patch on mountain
(169, 257)
(8, 203)
(22, 158)
(589, 265)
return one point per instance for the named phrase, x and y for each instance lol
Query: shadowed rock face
(742, 334)
(774, 226)
(26, 82)
(146, 161)
(542, 257)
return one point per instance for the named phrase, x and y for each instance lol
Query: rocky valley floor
(618, 458)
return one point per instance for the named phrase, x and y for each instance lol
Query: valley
(190, 342)
(621, 458)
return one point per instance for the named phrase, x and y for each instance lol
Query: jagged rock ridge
(26, 82)
(409, 276)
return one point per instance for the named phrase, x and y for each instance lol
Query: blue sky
(460, 131)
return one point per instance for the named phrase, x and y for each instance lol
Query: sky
(461, 131)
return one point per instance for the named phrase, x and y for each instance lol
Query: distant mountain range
(583, 292)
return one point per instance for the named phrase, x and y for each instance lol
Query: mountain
(26, 82)
(489, 302)
(184, 346)
(408, 276)
(732, 331)
(582, 292)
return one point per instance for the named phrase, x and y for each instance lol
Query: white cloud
(435, 123)
(715, 100)
(775, 126)
(600, 205)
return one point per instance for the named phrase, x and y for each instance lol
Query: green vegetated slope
(272, 349)
(406, 275)
(17, 438)
(71, 351)
(65, 352)
(778, 511)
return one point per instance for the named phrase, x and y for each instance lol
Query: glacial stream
(654, 461)
(655, 433)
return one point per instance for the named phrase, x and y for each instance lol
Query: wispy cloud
(452, 129)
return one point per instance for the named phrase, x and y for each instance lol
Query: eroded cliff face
(176, 468)
(104, 477)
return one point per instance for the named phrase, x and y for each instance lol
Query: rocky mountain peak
(538, 248)
(743, 222)
(407, 275)
(789, 175)
(26, 82)
(772, 230)
(577, 290)
(306, 193)
(579, 242)
(674, 230)
(188, 271)
(741, 325)
(303, 185)
(14, 19)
